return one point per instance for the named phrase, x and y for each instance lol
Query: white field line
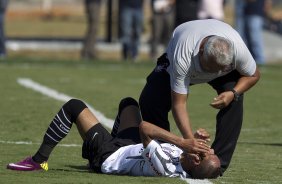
(28, 83)
(196, 181)
(33, 143)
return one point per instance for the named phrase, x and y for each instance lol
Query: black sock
(59, 128)
(43, 153)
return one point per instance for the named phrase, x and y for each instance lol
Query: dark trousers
(92, 9)
(155, 104)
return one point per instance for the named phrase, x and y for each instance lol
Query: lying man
(123, 154)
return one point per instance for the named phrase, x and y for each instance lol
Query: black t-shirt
(131, 3)
(255, 7)
(186, 10)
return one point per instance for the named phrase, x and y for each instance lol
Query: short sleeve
(157, 159)
(180, 62)
(179, 80)
(244, 61)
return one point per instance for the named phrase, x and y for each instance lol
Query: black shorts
(100, 144)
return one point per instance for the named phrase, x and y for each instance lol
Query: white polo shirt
(183, 50)
(155, 160)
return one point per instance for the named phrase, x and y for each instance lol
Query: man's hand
(197, 146)
(202, 134)
(149, 131)
(222, 100)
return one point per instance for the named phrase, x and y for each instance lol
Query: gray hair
(220, 49)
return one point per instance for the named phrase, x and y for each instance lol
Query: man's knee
(125, 102)
(74, 107)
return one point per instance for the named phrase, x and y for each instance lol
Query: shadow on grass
(261, 144)
(74, 168)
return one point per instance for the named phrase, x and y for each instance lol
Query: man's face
(202, 166)
(195, 159)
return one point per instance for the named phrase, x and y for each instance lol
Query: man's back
(183, 49)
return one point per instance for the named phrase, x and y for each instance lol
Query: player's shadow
(79, 167)
(74, 168)
(261, 144)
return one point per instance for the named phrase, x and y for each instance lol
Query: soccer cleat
(28, 165)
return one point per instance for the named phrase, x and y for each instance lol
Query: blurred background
(60, 27)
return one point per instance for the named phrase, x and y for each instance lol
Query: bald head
(208, 168)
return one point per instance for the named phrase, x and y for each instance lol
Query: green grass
(25, 115)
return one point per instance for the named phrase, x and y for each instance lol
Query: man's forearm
(182, 121)
(245, 83)
(149, 132)
(180, 114)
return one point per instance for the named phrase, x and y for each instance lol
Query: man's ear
(196, 160)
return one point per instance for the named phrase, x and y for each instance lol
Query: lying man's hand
(202, 134)
(197, 146)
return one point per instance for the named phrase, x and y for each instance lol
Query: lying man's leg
(72, 111)
(124, 104)
(88, 126)
(85, 121)
(100, 144)
(127, 122)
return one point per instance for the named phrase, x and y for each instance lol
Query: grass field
(25, 115)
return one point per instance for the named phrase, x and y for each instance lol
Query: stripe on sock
(51, 137)
(58, 128)
(66, 116)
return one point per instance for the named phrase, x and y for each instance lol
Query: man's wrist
(181, 143)
(236, 95)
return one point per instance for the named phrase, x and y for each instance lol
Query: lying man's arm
(148, 132)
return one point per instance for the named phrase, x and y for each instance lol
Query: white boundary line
(33, 143)
(197, 181)
(28, 83)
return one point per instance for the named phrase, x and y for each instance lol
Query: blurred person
(211, 9)
(185, 10)
(272, 23)
(3, 7)
(131, 27)
(251, 14)
(202, 51)
(162, 23)
(92, 10)
(239, 17)
(122, 154)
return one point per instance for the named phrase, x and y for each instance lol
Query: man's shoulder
(205, 27)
